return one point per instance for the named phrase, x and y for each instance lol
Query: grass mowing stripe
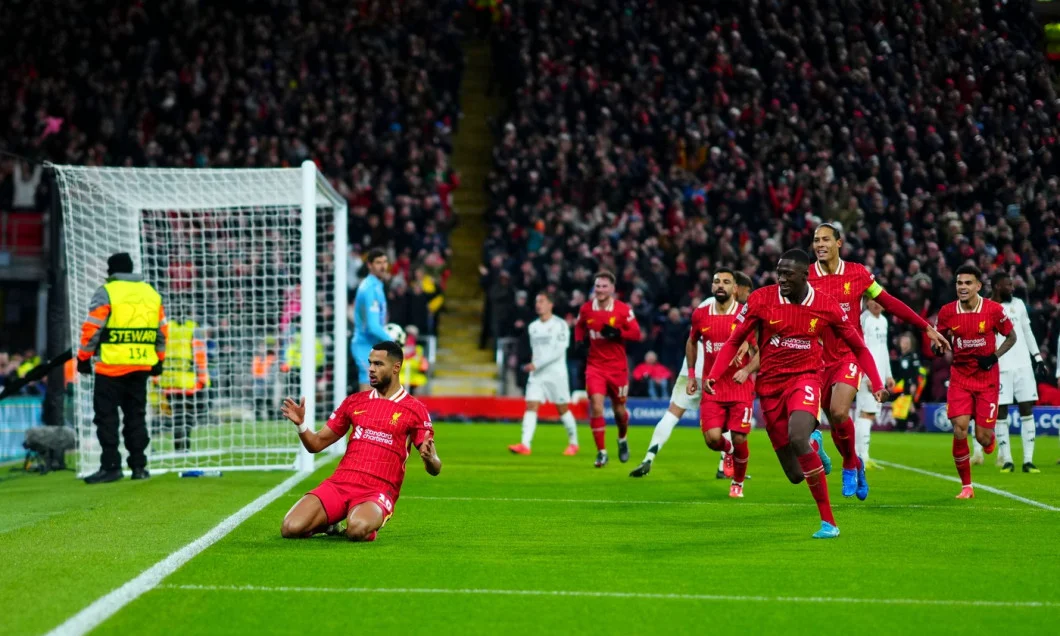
(106, 606)
(989, 489)
(595, 594)
(643, 502)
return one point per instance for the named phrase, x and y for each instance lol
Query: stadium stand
(368, 90)
(660, 140)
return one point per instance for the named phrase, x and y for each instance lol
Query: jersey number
(808, 398)
(993, 412)
(748, 413)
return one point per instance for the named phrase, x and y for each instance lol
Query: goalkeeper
(369, 313)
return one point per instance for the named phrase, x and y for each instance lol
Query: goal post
(251, 266)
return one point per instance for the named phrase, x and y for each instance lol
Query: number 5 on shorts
(808, 398)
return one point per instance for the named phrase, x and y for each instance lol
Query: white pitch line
(630, 595)
(989, 489)
(643, 502)
(106, 606)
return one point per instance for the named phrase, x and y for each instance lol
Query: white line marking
(106, 606)
(990, 489)
(633, 595)
(642, 502)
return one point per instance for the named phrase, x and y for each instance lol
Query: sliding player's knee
(293, 528)
(738, 438)
(714, 443)
(984, 435)
(794, 474)
(358, 529)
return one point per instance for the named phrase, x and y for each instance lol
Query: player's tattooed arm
(314, 442)
(691, 354)
(1010, 340)
(431, 462)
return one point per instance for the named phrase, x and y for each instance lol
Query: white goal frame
(303, 188)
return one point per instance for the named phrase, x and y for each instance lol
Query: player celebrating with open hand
(791, 319)
(972, 323)
(608, 322)
(387, 422)
(848, 283)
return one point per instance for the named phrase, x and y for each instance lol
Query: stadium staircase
(461, 368)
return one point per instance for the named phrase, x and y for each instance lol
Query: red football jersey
(973, 334)
(604, 353)
(383, 432)
(790, 337)
(712, 331)
(848, 285)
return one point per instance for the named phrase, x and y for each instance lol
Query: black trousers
(129, 393)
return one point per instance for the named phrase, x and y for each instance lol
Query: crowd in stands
(367, 89)
(660, 140)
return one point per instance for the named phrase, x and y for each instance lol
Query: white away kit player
(1018, 384)
(874, 326)
(548, 381)
(680, 401)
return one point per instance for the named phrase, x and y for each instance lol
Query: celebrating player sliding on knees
(848, 283)
(792, 319)
(387, 422)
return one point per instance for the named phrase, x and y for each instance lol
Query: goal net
(250, 264)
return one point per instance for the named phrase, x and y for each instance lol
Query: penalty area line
(983, 487)
(106, 606)
(626, 595)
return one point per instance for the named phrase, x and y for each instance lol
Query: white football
(396, 333)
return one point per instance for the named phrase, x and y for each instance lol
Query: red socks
(843, 436)
(623, 424)
(740, 453)
(596, 424)
(962, 458)
(813, 470)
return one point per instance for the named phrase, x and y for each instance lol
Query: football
(396, 333)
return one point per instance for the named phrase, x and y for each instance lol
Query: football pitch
(548, 544)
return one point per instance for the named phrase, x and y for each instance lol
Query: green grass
(493, 521)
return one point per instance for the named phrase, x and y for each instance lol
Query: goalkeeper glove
(84, 367)
(611, 332)
(986, 362)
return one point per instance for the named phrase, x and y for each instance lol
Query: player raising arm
(387, 423)
(971, 323)
(791, 319)
(608, 323)
(848, 283)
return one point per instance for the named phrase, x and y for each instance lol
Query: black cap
(120, 263)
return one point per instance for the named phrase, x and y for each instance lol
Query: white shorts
(549, 387)
(1017, 387)
(683, 400)
(865, 401)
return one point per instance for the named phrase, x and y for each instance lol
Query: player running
(608, 322)
(548, 381)
(848, 283)
(1017, 377)
(681, 400)
(874, 328)
(730, 406)
(971, 322)
(791, 319)
(387, 422)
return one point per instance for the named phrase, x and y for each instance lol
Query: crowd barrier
(16, 415)
(645, 412)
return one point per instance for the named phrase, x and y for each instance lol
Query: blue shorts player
(369, 313)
